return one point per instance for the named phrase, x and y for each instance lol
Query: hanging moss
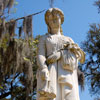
(81, 79)
(20, 31)
(5, 3)
(1, 31)
(1, 8)
(27, 26)
(17, 57)
(11, 28)
(24, 25)
(2, 27)
(10, 4)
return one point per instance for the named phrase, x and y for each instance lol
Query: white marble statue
(57, 59)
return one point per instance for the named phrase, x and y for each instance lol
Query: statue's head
(56, 16)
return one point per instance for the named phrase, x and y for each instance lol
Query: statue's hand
(74, 48)
(45, 74)
(78, 52)
(54, 57)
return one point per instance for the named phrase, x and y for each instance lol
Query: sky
(79, 14)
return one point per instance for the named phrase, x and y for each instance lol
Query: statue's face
(54, 21)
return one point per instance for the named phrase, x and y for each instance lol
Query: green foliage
(17, 56)
(18, 68)
(92, 65)
(97, 3)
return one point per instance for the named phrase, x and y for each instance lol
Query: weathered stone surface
(57, 59)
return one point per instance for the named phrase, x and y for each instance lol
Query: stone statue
(57, 59)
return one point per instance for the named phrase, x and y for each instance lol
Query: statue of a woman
(57, 59)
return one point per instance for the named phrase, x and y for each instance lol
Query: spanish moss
(81, 79)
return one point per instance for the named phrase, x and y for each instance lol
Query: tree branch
(27, 16)
(5, 95)
(9, 93)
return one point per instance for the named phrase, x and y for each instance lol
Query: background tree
(97, 3)
(17, 55)
(91, 67)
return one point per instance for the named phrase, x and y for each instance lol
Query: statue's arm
(78, 51)
(41, 54)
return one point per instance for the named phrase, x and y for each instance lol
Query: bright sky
(79, 14)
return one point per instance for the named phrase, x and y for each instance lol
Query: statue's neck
(55, 31)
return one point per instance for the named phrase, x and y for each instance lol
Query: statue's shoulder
(43, 37)
(67, 38)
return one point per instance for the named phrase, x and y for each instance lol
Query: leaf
(1, 87)
(26, 59)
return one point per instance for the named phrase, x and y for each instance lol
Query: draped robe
(62, 82)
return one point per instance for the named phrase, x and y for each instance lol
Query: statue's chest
(54, 42)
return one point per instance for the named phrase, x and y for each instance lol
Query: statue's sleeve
(80, 52)
(71, 41)
(41, 53)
